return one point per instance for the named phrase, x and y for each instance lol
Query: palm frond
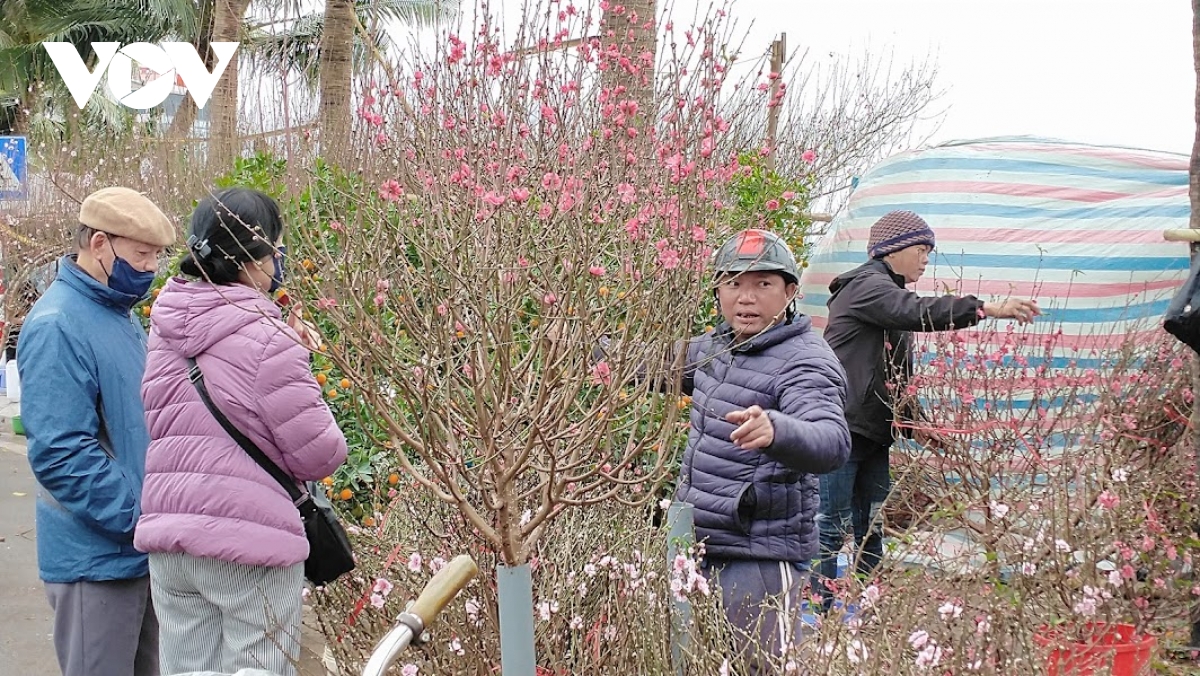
(8, 38)
(415, 13)
(16, 70)
(295, 50)
(128, 21)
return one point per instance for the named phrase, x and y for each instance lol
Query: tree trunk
(1194, 222)
(635, 32)
(337, 73)
(185, 117)
(224, 144)
(23, 116)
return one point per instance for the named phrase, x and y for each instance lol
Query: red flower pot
(1117, 648)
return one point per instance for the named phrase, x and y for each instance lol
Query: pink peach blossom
(602, 373)
(391, 190)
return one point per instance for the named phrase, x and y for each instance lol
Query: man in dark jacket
(767, 417)
(871, 319)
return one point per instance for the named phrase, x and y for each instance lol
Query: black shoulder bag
(330, 555)
(1182, 319)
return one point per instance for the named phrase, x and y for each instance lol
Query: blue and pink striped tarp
(1077, 227)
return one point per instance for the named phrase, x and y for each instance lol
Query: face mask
(277, 277)
(124, 278)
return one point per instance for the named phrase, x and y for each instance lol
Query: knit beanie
(898, 230)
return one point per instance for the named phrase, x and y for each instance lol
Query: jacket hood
(775, 335)
(190, 316)
(870, 267)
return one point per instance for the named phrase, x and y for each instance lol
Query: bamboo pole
(778, 54)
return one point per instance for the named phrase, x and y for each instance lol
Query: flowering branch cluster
(1059, 493)
(522, 211)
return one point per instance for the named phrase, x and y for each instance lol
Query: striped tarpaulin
(1077, 227)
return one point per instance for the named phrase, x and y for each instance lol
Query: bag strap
(251, 449)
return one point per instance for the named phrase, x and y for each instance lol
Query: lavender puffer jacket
(203, 494)
(762, 504)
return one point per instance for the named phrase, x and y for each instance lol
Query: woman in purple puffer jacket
(226, 544)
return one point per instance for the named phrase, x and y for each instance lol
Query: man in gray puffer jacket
(768, 397)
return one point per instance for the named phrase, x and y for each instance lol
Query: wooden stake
(778, 54)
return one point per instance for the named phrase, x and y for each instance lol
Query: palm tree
(635, 29)
(223, 141)
(31, 88)
(336, 74)
(326, 49)
(297, 49)
(186, 114)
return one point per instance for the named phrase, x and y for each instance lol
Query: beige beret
(127, 213)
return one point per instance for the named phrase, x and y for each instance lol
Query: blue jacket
(761, 504)
(81, 352)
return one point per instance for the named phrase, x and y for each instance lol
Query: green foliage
(260, 171)
(761, 198)
(143, 310)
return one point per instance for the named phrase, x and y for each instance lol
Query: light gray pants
(104, 628)
(762, 601)
(221, 616)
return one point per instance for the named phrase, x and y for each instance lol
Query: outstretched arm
(808, 432)
(877, 301)
(676, 365)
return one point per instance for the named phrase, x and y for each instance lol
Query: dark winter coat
(761, 504)
(871, 319)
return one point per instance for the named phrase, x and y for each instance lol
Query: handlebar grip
(443, 588)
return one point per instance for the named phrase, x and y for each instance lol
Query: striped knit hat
(898, 230)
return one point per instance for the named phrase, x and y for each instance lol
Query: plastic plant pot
(1116, 649)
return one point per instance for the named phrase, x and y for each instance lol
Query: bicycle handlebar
(443, 588)
(412, 623)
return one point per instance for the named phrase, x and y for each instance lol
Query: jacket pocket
(726, 513)
(873, 390)
(747, 505)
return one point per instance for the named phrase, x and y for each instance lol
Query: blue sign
(12, 168)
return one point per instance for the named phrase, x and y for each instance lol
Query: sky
(1110, 72)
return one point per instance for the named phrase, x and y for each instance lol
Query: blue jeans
(851, 500)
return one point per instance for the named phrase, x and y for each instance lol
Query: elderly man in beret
(80, 358)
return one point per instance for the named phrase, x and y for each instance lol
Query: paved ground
(25, 643)
(25, 637)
